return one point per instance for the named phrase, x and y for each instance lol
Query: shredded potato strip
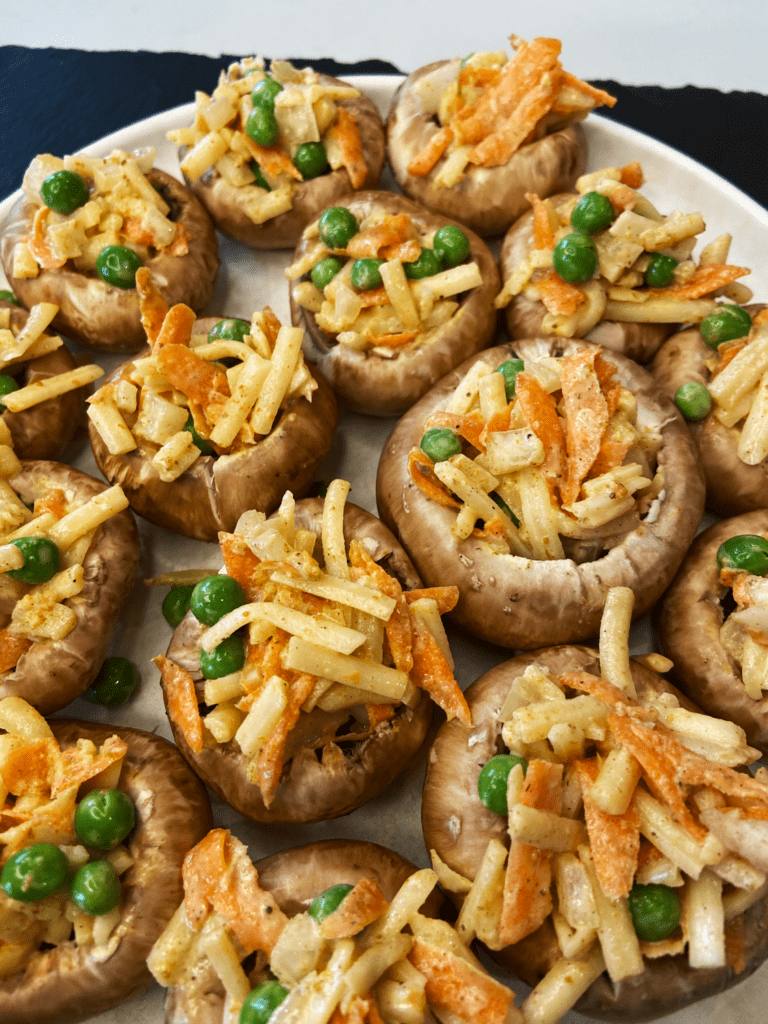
(614, 839)
(182, 701)
(586, 417)
(527, 901)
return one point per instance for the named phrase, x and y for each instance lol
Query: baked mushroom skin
(53, 672)
(66, 983)
(214, 492)
(294, 877)
(524, 603)
(227, 205)
(44, 430)
(459, 826)
(524, 316)
(310, 790)
(369, 383)
(689, 631)
(487, 199)
(100, 315)
(732, 486)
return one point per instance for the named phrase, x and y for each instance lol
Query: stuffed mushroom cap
(100, 315)
(310, 789)
(458, 826)
(487, 199)
(524, 316)
(227, 203)
(524, 603)
(370, 383)
(53, 672)
(214, 492)
(67, 983)
(732, 485)
(691, 616)
(44, 430)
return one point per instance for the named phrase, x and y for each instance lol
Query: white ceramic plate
(249, 280)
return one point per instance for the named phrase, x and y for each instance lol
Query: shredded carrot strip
(151, 303)
(398, 628)
(601, 97)
(271, 325)
(611, 388)
(727, 352)
(198, 379)
(611, 455)
(378, 713)
(393, 230)
(586, 417)
(540, 413)
(270, 763)
(622, 198)
(445, 597)
(38, 244)
(241, 564)
(55, 501)
(428, 156)
(393, 340)
(543, 235)
(31, 768)
(11, 649)
(374, 297)
(609, 694)
(471, 426)
(427, 484)
(706, 279)
(500, 145)
(632, 173)
(432, 673)
(359, 908)
(179, 244)
(345, 132)
(455, 985)
(76, 767)
(559, 297)
(176, 328)
(182, 701)
(406, 252)
(272, 160)
(133, 228)
(614, 839)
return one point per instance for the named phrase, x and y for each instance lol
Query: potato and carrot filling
(488, 106)
(181, 400)
(352, 957)
(629, 825)
(86, 206)
(295, 653)
(381, 283)
(62, 825)
(42, 549)
(609, 254)
(743, 564)
(265, 132)
(548, 454)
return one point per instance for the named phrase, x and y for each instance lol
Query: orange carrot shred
(176, 328)
(182, 701)
(270, 761)
(559, 297)
(632, 174)
(706, 278)
(55, 501)
(151, 303)
(543, 235)
(427, 483)
(445, 597)
(586, 417)
(614, 839)
(11, 649)
(392, 340)
(393, 230)
(427, 157)
(540, 413)
(455, 985)
(198, 379)
(433, 673)
(74, 768)
(359, 908)
(398, 628)
(272, 160)
(497, 147)
(345, 132)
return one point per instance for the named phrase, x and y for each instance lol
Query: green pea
(95, 888)
(427, 265)
(42, 560)
(575, 258)
(727, 324)
(660, 271)
(262, 126)
(324, 272)
(328, 901)
(64, 192)
(492, 781)
(693, 400)
(748, 552)
(104, 817)
(505, 508)
(117, 265)
(451, 245)
(258, 174)
(261, 1002)
(7, 385)
(592, 213)
(35, 872)
(264, 93)
(223, 660)
(206, 448)
(7, 296)
(655, 911)
(440, 444)
(311, 160)
(365, 274)
(215, 596)
(176, 604)
(116, 681)
(337, 227)
(229, 330)
(510, 369)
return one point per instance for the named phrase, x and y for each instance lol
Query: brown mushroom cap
(310, 790)
(53, 672)
(488, 199)
(372, 384)
(524, 603)
(214, 492)
(100, 315)
(689, 627)
(732, 485)
(67, 983)
(227, 204)
(44, 430)
(524, 316)
(458, 826)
